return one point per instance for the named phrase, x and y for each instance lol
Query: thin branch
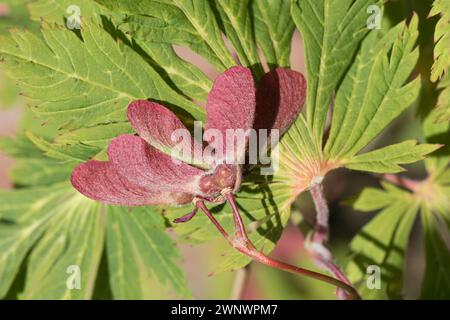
(321, 255)
(243, 244)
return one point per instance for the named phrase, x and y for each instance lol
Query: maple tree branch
(321, 255)
(243, 244)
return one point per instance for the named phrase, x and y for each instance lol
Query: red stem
(320, 237)
(243, 244)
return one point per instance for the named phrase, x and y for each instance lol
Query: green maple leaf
(82, 81)
(441, 38)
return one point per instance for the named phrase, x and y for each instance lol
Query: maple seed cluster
(225, 177)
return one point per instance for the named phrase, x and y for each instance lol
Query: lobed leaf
(436, 280)
(182, 22)
(138, 249)
(382, 243)
(83, 82)
(332, 31)
(441, 39)
(374, 92)
(273, 30)
(388, 159)
(236, 23)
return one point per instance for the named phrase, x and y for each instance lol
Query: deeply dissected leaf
(386, 160)
(187, 78)
(373, 92)
(443, 105)
(332, 31)
(236, 21)
(441, 38)
(71, 246)
(33, 168)
(382, 243)
(71, 153)
(183, 22)
(24, 215)
(436, 281)
(86, 82)
(138, 249)
(273, 30)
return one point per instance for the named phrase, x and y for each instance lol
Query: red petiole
(242, 243)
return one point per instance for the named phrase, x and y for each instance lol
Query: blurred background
(262, 282)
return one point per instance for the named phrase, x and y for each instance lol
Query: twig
(321, 255)
(242, 243)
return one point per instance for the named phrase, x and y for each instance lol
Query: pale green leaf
(441, 38)
(59, 10)
(374, 92)
(39, 172)
(273, 30)
(73, 239)
(389, 159)
(183, 22)
(83, 82)
(332, 31)
(443, 104)
(24, 215)
(436, 280)
(186, 77)
(95, 136)
(434, 132)
(72, 153)
(383, 243)
(236, 21)
(138, 250)
(372, 199)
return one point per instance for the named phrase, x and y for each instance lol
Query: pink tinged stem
(320, 254)
(407, 183)
(321, 227)
(243, 244)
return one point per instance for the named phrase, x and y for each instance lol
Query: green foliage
(89, 81)
(79, 83)
(273, 30)
(386, 160)
(332, 31)
(443, 106)
(138, 248)
(441, 38)
(442, 57)
(436, 281)
(182, 22)
(237, 25)
(373, 92)
(383, 242)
